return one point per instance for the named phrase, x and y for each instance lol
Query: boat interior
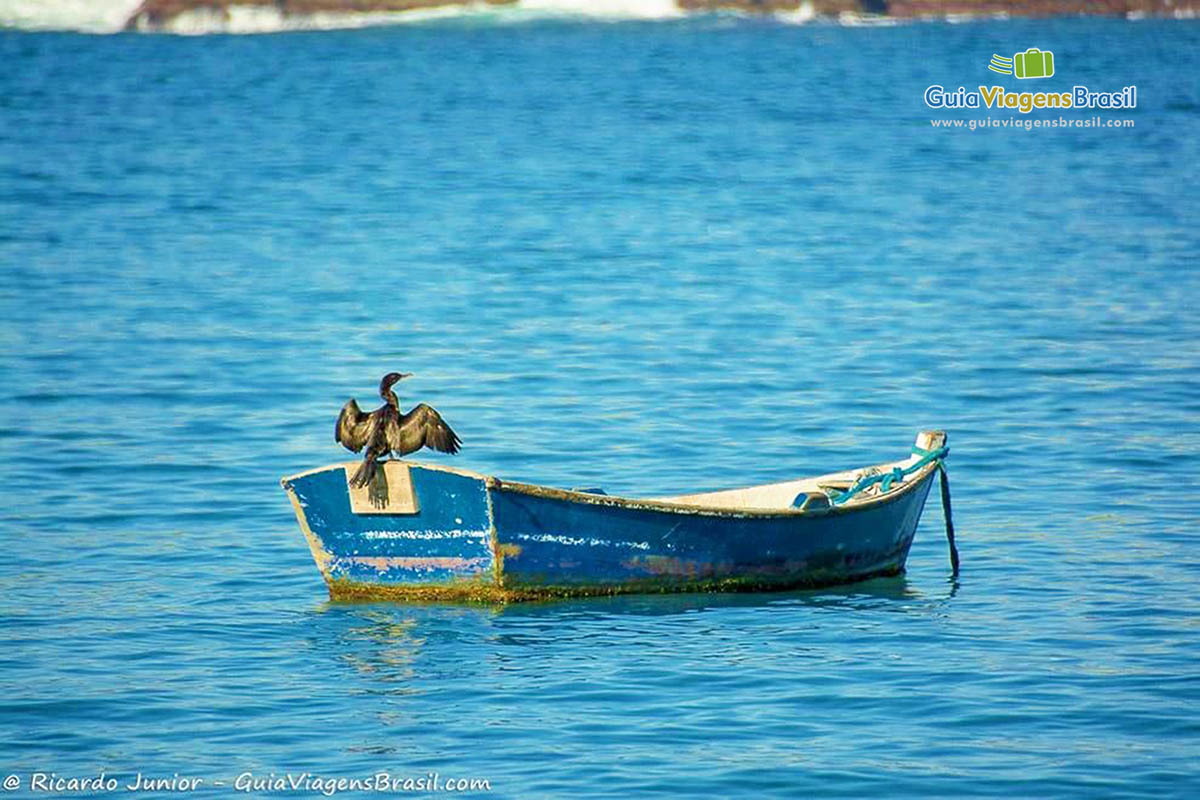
(804, 493)
(801, 493)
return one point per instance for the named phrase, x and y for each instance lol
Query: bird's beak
(406, 374)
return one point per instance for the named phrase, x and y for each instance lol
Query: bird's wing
(422, 427)
(353, 427)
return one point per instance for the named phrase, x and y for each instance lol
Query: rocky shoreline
(157, 15)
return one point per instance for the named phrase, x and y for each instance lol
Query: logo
(1033, 63)
(1001, 64)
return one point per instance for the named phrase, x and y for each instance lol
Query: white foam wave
(851, 19)
(108, 16)
(610, 9)
(89, 16)
(803, 14)
(269, 19)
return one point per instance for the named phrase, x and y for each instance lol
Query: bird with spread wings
(386, 430)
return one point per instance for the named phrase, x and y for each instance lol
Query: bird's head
(391, 378)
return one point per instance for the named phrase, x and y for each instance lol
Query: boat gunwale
(860, 503)
(854, 505)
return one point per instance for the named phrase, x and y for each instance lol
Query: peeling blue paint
(448, 539)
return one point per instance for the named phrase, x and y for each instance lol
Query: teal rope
(897, 475)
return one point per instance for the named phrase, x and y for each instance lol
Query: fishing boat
(432, 532)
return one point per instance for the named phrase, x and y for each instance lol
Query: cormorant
(385, 430)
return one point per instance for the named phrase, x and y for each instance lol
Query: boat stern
(417, 532)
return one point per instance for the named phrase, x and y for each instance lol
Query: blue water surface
(654, 257)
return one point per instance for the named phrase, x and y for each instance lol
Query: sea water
(655, 257)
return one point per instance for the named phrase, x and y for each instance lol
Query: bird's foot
(378, 495)
(377, 491)
(363, 475)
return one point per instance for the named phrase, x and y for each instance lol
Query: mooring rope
(948, 517)
(897, 475)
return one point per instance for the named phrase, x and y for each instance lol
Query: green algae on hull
(487, 593)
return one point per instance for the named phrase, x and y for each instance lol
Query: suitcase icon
(1033, 63)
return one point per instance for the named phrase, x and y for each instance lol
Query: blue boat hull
(475, 537)
(630, 549)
